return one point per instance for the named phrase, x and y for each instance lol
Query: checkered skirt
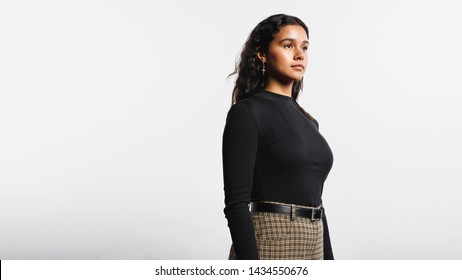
(280, 238)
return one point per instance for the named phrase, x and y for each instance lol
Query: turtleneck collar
(275, 96)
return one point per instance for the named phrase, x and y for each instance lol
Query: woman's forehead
(292, 33)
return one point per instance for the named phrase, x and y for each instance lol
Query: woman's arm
(328, 254)
(240, 144)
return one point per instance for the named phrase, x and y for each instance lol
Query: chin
(297, 79)
(296, 76)
(291, 78)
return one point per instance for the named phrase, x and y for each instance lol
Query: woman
(275, 161)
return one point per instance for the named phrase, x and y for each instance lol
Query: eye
(305, 48)
(288, 46)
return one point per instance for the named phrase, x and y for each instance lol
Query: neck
(285, 89)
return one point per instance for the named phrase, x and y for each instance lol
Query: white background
(112, 114)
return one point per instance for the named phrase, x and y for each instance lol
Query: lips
(298, 67)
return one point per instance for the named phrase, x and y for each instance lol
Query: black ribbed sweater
(273, 152)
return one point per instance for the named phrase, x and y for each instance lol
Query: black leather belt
(313, 214)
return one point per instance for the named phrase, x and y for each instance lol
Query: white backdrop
(112, 114)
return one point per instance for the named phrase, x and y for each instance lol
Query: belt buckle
(313, 213)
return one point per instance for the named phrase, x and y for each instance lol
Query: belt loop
(292, 212)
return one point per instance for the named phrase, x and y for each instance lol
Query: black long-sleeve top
(272, 152)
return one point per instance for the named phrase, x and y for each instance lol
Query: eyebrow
(293, 40)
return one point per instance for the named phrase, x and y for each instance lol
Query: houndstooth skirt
(280, 238)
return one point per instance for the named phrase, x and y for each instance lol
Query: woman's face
(287, 56)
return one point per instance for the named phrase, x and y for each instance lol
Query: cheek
(281, 59)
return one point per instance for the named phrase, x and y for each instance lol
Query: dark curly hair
(248, 67)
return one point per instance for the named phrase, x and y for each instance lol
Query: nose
(299, 55)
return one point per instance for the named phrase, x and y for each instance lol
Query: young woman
(275, 161)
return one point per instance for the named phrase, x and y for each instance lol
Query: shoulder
(248, 106)
(240, 109)
(241, 116)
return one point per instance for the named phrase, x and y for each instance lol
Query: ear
(261, 56)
